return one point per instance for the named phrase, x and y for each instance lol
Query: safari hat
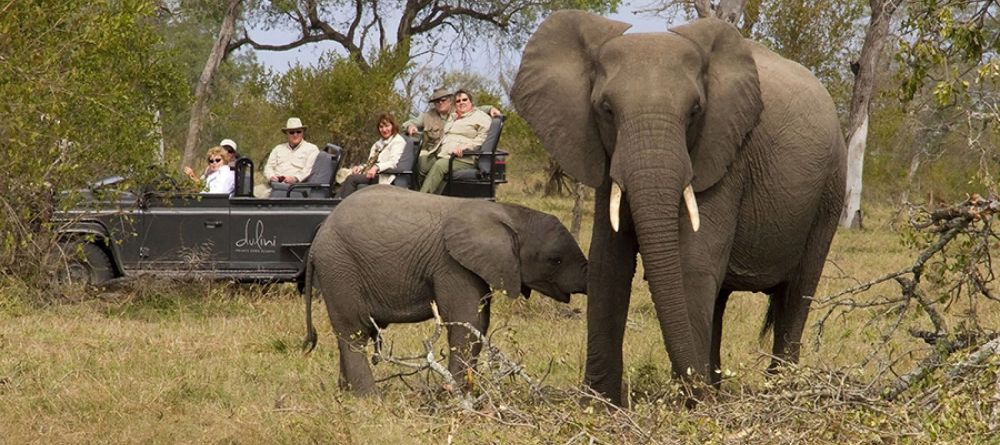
(438, 94)
(294, 123)
(228, 143)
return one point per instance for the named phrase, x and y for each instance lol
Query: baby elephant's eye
(555, 261)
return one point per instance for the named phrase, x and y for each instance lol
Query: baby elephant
(385, 254)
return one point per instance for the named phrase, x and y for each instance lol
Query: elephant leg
(349, 319)
(702, 289)
(705, 259)
(790, 300)
(355, 375)
(610, 270)
(464, 298)
(716, 358)
(484, 325)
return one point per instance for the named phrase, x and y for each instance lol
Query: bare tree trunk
(914, 166)
(864, 84)
(728, 10)
(579, 190)
(201, 92)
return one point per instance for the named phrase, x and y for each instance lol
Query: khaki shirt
(285, 161)
(468, 131)
(433, 129)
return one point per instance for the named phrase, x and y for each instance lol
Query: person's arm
(490, 110)
(270, 165)
(417, 123)
(483, 122)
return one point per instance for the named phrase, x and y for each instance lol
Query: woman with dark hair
(384, 155)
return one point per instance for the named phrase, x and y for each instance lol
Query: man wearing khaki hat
(290, 162)
(431, 122)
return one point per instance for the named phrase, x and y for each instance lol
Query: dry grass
(167, 362)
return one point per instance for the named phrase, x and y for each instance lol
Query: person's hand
(273, 178)
(189, 172)
(459, 151)
(411, 129)
(290, 180)
(494, 112)
(372, 172)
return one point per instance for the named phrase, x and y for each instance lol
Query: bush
(340, 99)
(80, 101)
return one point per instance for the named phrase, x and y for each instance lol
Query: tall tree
(864, 84)
(364, 28)
(203, 88)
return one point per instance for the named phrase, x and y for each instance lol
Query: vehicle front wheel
(90, 267)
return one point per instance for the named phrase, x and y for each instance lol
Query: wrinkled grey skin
(755, 135)
(385, 253)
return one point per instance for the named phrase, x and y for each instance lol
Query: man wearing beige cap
(290, 162)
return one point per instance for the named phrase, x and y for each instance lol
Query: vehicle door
(272, 236)
(185, 233)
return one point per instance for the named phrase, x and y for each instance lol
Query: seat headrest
(322, 171)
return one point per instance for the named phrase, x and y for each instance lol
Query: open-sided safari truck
(238, 237)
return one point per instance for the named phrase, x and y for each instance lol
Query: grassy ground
(167, 362)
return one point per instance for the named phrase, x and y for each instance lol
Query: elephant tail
(310, 341)
(769, 317)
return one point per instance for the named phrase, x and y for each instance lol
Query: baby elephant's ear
(486, 243)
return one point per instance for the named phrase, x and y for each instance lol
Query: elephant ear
(486, 243)
(732, 98)
(553, 87)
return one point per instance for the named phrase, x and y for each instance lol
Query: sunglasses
(464, 99)
(442, 100)
(294, 132)
(214, 160)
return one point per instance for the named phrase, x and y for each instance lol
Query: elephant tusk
(615, 206)
(692, 206)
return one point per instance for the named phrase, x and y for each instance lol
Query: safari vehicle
(238, 237)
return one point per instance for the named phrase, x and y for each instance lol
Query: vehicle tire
(92, 267)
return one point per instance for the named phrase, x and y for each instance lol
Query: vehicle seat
(318, 183)
(244, 178)
(481, 181)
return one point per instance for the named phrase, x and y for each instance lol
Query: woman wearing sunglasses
(217, 178)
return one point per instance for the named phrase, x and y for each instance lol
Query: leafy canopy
(82, 83)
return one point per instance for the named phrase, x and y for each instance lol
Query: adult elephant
(695, 121)
(384, 254)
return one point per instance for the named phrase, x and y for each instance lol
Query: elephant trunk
(654, 171)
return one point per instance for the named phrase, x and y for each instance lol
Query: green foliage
(816, 33)
(952, 46)
(81, 82)
(339, 100)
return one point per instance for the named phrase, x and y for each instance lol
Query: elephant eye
(696, 108)
(606, 107)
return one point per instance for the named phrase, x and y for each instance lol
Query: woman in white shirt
(384, 155)
(217, 178)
